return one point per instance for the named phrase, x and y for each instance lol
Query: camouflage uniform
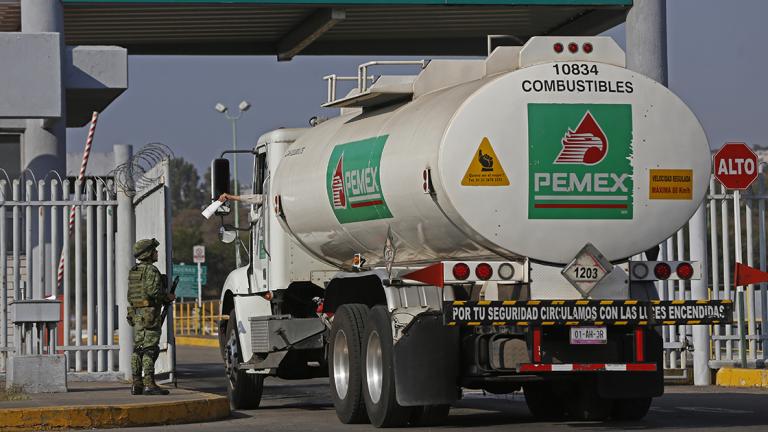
(146, 295)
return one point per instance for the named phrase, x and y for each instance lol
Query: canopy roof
(288, 27)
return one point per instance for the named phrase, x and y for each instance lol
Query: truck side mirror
(219, 178)
(227, 236)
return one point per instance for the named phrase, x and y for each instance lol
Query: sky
(717, 55)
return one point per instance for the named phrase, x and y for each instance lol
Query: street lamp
(242, 107)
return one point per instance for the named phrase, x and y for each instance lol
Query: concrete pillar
(44, 145)
(126, 236)
(646, 29)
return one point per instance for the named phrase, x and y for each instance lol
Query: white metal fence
(34, 232)
(727, 344)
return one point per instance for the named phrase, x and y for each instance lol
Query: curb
(736, 377)
(211, 407)
(197, 341)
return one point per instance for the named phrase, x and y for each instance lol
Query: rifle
(164, 313)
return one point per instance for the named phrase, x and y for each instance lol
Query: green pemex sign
(187, 274)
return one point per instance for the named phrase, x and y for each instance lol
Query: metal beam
(308, 31)
(589, 23)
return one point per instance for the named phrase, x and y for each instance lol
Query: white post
(126, 236)
(698, 239)
(199, 285)
(199, 298)
(739, 288)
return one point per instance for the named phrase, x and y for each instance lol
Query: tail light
(461, 271)
(587, 47)
(506, 271)
(662, 271)
(639, 271)
(685, 271)
(558, 47)
(483, 271)
(573, 47)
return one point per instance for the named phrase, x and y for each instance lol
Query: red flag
(746, 275)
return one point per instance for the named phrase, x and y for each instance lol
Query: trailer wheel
(345, 363)
(631, 409)
(379, 373)
(543, 402)
(429, 415)
(243, 389)
(587, 405)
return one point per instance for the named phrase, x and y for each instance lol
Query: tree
(186, 190)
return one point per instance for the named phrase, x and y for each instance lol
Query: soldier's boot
(137, 387)
(152, 389)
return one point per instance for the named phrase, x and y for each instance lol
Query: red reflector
(662, 271)
(558, 47)
(685, 271)
(484, 271)
(573, 47)
(639, 345)
(536, 348)
(641, 367)
(460, 271)
(587, 47)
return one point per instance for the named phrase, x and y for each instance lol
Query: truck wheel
(379, 372)
(345, 363)
(543, 402)
(587, 405)
(630, 409)
(243, 389)
(429, 415)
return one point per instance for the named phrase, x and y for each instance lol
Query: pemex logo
(337, 186)
(572, 175)
(353, 181)
(586, 145)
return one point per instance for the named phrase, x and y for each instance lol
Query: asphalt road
(305, 406)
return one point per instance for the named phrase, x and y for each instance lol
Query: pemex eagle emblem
(587, 145)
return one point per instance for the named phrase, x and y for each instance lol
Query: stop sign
(735, 165)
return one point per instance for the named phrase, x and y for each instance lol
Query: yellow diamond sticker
(485, 168)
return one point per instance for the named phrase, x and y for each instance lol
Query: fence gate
(152, 206)
(57, 239)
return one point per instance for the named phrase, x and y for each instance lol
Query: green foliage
(187, 191)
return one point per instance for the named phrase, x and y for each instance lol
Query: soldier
(146, 295)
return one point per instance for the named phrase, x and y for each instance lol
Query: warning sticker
(485, 168)
(671, 184)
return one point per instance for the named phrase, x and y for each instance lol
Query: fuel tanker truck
(485, 224)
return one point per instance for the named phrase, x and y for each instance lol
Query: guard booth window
(260, 169)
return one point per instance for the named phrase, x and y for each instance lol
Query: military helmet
(143, 248)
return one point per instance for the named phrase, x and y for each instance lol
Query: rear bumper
(587, 367)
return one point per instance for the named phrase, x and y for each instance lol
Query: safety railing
(191, 319)
(57, 240)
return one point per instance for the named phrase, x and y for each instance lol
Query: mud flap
(619, 385)
(427, 362)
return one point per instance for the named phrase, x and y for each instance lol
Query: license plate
(589, 335)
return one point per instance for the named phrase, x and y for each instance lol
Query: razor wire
(136, 174)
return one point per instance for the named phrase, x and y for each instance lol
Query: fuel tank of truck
(557, 150)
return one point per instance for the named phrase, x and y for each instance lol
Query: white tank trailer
(486, 224)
